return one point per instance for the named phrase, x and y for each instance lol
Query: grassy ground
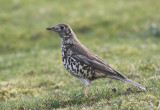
(124, 33)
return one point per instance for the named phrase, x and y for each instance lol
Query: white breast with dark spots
(77, 68)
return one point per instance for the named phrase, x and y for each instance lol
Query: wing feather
(84, 55)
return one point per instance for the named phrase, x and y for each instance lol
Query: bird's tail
(135, 84)
(123, 78)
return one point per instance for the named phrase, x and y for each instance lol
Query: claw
(79, 95)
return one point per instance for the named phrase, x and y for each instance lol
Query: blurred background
(24, 22)
(123, 32)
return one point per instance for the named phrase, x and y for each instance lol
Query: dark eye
(62, 27)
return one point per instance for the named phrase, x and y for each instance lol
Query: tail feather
(135, 84)
(123, 78)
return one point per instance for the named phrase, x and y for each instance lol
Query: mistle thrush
(81, 62)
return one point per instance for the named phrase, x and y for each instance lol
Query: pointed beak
(51, 28)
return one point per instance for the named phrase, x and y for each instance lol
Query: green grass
(124, 33)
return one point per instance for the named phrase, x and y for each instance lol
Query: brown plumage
(81, 62)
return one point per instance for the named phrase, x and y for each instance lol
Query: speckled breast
(77, 68)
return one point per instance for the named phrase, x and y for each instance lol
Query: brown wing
(81, 53)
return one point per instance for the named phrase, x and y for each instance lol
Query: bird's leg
(86, 91)
(87, 83)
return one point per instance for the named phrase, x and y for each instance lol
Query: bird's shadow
(90, 100)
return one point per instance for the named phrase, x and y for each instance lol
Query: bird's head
(62, 29)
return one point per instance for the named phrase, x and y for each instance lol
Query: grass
(124, 33)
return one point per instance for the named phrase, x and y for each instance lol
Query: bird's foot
(79, 95)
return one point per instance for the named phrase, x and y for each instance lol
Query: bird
(81, 62)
